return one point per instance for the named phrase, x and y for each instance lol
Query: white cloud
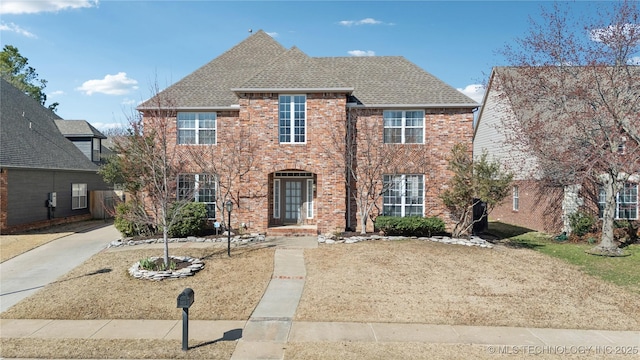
(362, 53)
(611, 32)
(38, 6)
(129, 102)
(474, 91)
(367, 21)
(16, 29)
(272, 34)
(117, 84)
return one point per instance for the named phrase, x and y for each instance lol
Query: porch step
(300, 230)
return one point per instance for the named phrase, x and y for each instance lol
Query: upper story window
(292, 119)
(196, 128)
(626, 202)
(403, 127)
(95, 149)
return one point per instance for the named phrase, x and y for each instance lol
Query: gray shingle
(78, 128)
(259, 62)
(29, 137)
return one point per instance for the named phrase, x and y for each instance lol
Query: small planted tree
(473, 182)
(147, 164)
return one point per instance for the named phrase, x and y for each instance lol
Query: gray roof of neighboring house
(78, 128)
(29, 138)
(261, 63)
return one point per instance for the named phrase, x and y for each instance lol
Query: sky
(101, 58)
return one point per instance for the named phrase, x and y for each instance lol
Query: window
(516, 198)
(196, 128)
(95, 153)
(626, 202)
(276, 199)
(78, 196)
(199, 188)
(292, 116)
(404, 195)
(309, 198)
(403, 127)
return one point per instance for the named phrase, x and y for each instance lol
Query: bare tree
(149, 163)
(575, 91)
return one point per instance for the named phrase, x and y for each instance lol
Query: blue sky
(101, 58)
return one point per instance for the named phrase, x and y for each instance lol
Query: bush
(190, 221)
(409, 226)
(125, 212)
(581, 223)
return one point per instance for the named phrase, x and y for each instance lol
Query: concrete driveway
(25, 274)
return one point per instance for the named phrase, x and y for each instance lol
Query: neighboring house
(533, 203)
(39, 167)
(297, 109)
(84, 136)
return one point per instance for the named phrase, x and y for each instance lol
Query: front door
(292, 201)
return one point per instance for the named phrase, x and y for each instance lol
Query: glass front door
(292, 201)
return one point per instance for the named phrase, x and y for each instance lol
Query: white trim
(414, 106)
(293, 90)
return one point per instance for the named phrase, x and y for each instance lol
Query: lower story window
(78, 196)
(626, 202)
(199, 188)
(404, 195)
(516, 198)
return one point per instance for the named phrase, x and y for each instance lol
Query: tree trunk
(165, 237)
(607, 244)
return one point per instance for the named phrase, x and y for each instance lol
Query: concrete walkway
(271, 326)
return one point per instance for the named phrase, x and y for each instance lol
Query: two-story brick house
(299, 114)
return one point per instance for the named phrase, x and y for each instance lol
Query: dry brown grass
(410, 350)
(425, 282)
(112, 349)
(101, 288)
(14, 245)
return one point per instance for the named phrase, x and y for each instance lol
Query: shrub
(123, 221)
(190, 220)
(581, 223)
(409, 226)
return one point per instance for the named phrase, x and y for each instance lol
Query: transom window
(78, 196)
(197, 128)
(199, 188)
(403, 127)
(292, 119)
(404, 195)
(626, 202)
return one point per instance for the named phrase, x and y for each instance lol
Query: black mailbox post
(185, 299)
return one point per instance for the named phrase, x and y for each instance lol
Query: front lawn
(623, 271)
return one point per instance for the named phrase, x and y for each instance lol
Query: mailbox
(185, 299)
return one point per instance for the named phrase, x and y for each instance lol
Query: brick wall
(540, 208)
(248, 139)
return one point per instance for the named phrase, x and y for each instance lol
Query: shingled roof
(78, 128)
(259, 63)
(29, 138)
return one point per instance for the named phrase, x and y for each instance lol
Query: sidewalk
(271, 325)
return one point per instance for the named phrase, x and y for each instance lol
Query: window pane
(207, 136)
(186, 136)
(413, 136)
(392, 136)
(392, 118)
(414, 118)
